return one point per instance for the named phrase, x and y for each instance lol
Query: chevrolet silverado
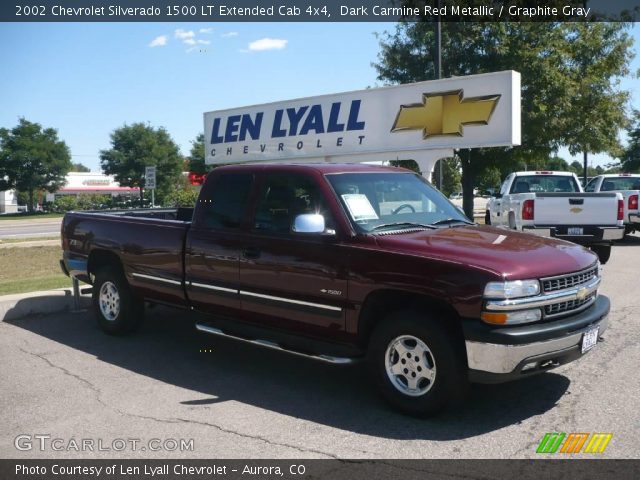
(342, 263)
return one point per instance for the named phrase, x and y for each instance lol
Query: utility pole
(438, 72)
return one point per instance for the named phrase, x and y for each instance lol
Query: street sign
(150, 177)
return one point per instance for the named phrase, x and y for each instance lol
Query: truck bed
(149, 242)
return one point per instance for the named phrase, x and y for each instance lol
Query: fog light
(529, 366)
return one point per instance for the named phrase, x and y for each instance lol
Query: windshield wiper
(401, 225)
(452, 221)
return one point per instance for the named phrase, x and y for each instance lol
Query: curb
(21, 305)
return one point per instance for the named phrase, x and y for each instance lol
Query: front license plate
(589, 339)
(575, 231)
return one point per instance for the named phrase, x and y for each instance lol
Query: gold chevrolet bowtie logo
(575, 210)
(445, 113)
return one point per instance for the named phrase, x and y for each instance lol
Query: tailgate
(576, 209)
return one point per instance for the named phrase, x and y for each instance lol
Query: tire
(117, 310)
(439, 373)
(487, 218)
(603, 252)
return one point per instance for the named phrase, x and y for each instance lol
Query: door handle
(251, 253)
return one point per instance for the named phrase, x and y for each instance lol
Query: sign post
(150, 182)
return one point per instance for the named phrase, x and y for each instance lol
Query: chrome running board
(274, 346)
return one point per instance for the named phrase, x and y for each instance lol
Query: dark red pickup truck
(348, 262)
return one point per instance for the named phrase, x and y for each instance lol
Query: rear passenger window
(226, 203)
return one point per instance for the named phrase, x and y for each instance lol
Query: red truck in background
(347, 262)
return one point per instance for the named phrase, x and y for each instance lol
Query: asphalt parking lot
(62, 377)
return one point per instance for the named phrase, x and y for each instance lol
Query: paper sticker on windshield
(359, 207)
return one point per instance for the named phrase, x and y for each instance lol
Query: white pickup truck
(628, 185)
(552, 204)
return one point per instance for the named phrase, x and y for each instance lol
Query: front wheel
(418, 365)
(116, 309)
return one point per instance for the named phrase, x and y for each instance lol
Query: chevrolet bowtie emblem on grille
(445, 113)
(582, 293)
(575, 210)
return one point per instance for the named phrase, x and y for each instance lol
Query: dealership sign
(461, 112)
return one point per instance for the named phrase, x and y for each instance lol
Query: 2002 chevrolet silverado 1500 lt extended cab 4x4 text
(342, 262)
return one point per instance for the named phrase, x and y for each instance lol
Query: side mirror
(308, 223)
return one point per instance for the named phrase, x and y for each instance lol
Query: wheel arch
(100, 258)
(380, 303)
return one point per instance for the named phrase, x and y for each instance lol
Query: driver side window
(285, 196)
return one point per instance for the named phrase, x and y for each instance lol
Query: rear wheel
(116, 309)
(417, 363)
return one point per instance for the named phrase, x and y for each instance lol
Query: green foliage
(557, 164)
(489, 180)
(570, 82)
(85, 201)
(64, 203)
(196, 156)
(79, 167)
(450, 175)
(93, 201)
(630, 159)
(183, 194)
(133, 147)
(408, 164)
(32, 159)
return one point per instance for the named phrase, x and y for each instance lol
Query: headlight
(513, 289)
(512, 318)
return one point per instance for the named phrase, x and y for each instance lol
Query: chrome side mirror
(308, 223)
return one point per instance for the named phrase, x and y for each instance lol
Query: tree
(79, 167)
(136, 146)
(196, 156)
(600, 53)
(557, 164)
(630, 159)
(450, 175)
(548, 55)
(32, 159)
(576, 167)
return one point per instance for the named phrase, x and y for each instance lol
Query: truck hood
(510, 254)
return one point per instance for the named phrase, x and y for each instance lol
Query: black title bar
(315, 10)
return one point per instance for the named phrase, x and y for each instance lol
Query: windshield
(378, 201)
(544, 183)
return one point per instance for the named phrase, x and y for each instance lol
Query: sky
(87, 79)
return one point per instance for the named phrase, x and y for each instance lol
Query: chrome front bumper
(503, 359)
(498, 354)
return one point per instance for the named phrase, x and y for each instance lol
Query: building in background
(8, 201)
(94, 183)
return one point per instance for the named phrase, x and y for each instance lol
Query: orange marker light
(495, 318)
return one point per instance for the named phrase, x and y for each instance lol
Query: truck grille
(570, 280)
(571, 305)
